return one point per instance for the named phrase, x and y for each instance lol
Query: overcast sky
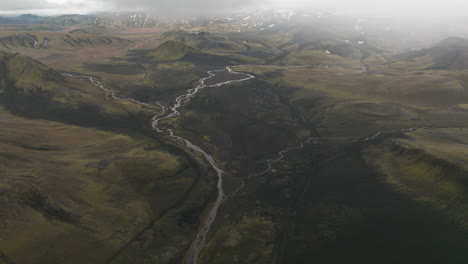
(372, 7)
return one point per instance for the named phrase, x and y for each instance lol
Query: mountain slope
(61, 183)
(31, 89)
(69, 20)
(173, 50)
(26, 74)
(449, 54)
(205, 41)
(330, 52)
(178, 51)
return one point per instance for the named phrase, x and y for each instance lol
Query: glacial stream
(173, 111)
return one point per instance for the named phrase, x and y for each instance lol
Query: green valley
(256, 137)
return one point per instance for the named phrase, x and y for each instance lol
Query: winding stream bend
(171, 112)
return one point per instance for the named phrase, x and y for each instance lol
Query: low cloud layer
(203, 7)
(186, 6)
(51, 7)
(160, 7)
(24, 4)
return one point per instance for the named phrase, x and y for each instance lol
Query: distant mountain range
(22, 19)
(136, 20)
(45, 40)
(310, 25)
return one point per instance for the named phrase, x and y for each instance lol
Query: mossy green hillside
(429, 165)
(250, 241)
(76, 195)
(26, 74)
(32, 89)
(173, 50)
(356, 103)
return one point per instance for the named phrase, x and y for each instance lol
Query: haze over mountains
(414, 33)
(243, 135)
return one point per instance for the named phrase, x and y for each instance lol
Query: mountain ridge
(449, 54)
(26, 74)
